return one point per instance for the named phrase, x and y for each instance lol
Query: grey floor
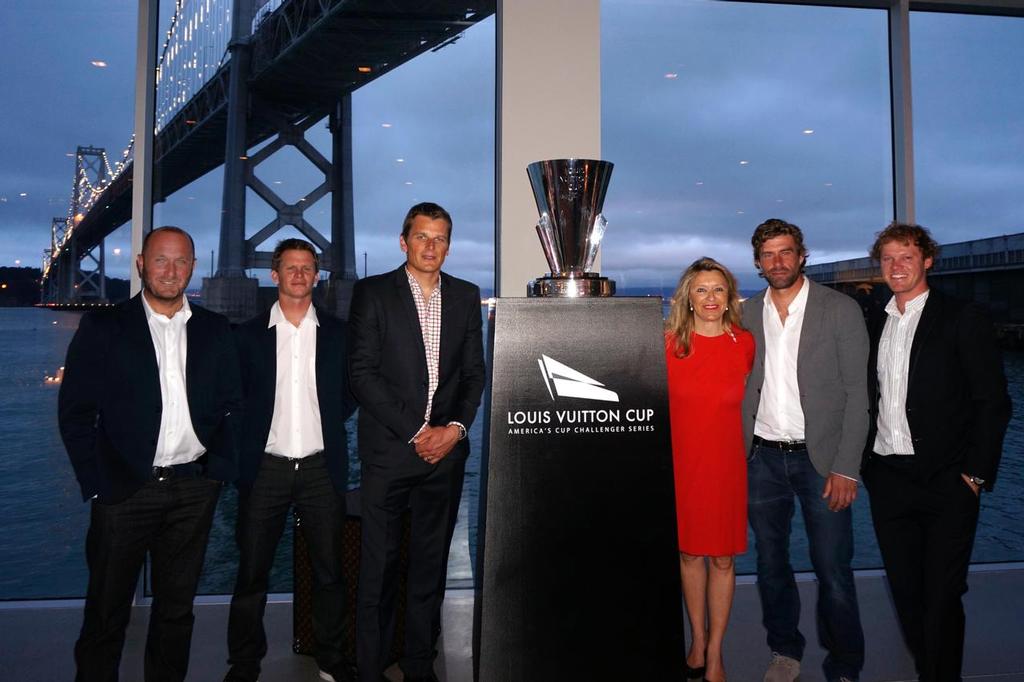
(36, 639)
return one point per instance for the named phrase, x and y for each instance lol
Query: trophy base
(588, 285)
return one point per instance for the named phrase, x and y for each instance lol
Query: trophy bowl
(570, 195)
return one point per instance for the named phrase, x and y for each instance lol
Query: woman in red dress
(709, 357)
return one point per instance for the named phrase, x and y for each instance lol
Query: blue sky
(691, 90)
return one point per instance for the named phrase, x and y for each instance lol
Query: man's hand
(974, 486)
(840, 492)
(435, 442)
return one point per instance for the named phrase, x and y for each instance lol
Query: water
(44, 519)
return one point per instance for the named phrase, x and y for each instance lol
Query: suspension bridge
(231, 75)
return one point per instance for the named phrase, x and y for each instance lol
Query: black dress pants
(431, 493)
(262, 512)
(925, 532)
(171, 520)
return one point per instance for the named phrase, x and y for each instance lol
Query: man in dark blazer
(147, 411)
(805, 418)
(939, 411)
(416, 368)
(294, 454)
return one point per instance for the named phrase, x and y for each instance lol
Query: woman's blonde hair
(680, 315)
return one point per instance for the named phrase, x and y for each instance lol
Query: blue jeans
(775, 477)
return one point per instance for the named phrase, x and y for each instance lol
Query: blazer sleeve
(474, 374)
(372, 390)
(78, 403)
(981, 363)
(852, 347)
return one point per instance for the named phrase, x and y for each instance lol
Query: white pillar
(902, 111)
(549, 107)
(145, 106)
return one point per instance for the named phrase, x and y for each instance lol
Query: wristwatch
(976, 480)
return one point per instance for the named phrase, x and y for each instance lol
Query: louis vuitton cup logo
(566, 382)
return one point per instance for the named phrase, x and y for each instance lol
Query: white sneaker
(782, 669)
(326, 676)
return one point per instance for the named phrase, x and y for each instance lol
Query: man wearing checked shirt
(416, 369)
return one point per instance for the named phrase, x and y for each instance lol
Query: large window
(67, 111)
(719, 115)
(969, 168)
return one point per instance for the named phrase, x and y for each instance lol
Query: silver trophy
(570, 194)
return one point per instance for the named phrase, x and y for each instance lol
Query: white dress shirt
(893, 368)
(779, 414)
(295, 430)
(177, 442)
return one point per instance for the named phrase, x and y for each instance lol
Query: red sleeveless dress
(705, 390)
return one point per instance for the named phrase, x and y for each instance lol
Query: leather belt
(296, 461)
(192, 469)
(785, 445)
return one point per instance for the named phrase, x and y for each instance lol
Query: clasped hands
(433, 443)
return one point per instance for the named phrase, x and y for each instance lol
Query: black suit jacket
(110, 404)
(388, 367)
(957, 404)
(257, 351)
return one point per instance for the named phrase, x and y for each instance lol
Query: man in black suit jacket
(416, 368)
(939, 410)
(294, 453)
(145, 411)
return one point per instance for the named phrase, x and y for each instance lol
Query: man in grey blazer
(805, 421)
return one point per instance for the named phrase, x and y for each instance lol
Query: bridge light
(364, 69)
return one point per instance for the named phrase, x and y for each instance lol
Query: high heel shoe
(695, 673)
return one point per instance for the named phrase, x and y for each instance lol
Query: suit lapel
(267, 370)
(929, 316)
(755, 315)
(136, 331)
(323, 378)
(194, 348)
(448, 305)
(412, 318)
(810, 330)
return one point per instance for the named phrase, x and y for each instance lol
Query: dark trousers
(775, 478)
(171, 520)
(262, 512)
(926, 533)
(431, 493)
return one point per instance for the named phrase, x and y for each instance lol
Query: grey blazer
(832, 376)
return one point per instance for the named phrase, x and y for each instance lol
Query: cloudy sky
(717, 116)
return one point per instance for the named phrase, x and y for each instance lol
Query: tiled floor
(36, 640)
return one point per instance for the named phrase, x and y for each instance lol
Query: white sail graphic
(565, 382)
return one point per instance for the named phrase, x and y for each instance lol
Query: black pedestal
(578, 575)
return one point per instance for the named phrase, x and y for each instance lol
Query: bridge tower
(78, 273)
(88, 271)
(231, 291)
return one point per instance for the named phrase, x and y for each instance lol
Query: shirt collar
(414, 283)
(151, 314)
(912, 306)
(277, 317)
(796, 305)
